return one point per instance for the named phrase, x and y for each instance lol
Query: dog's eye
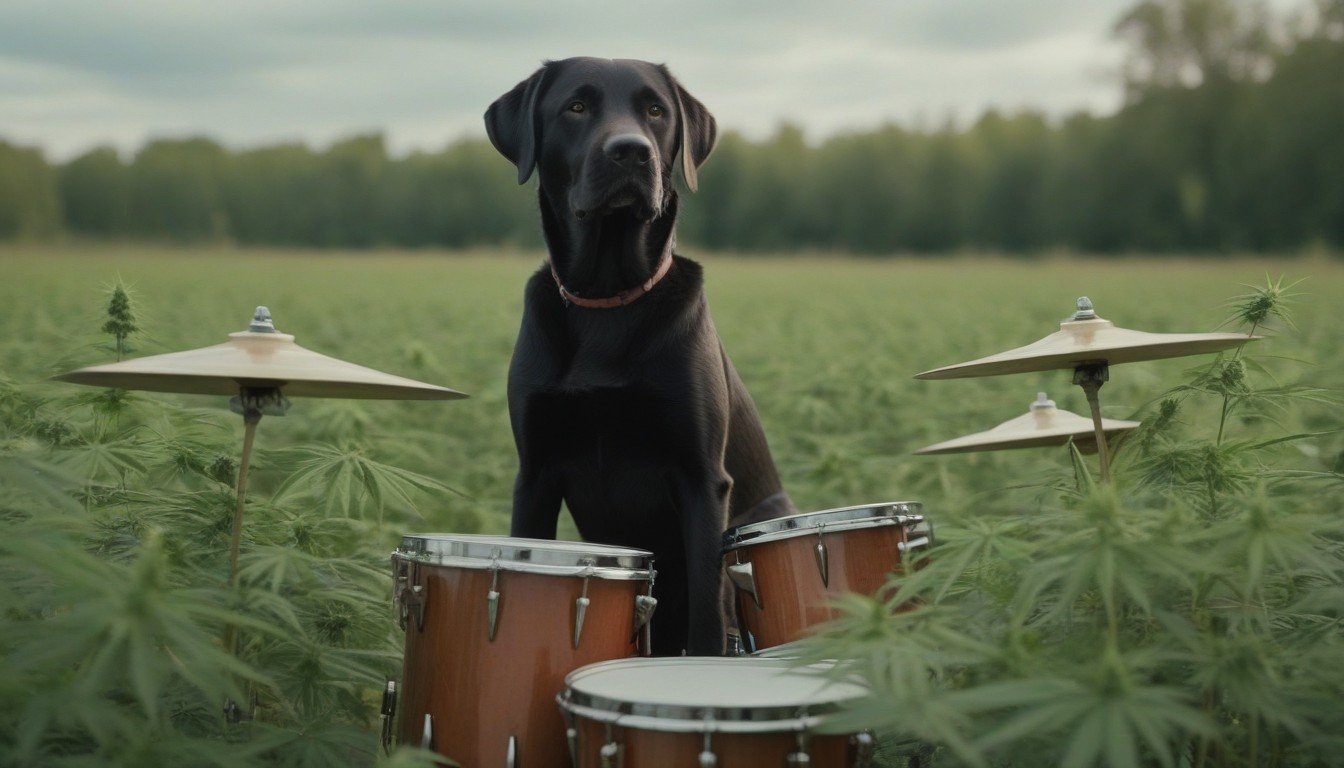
(656, 110)
(577, 107)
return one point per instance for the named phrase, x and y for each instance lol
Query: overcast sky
(76, 73)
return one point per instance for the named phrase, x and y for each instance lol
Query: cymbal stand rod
(250, 419)
(1090, 377)
(252, 403)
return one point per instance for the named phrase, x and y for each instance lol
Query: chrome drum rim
(542, 556)
(820, 699)
(903, 513)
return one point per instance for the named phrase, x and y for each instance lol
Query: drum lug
(415, 605)
(580, 611)
(863, 749)
(511, 757)
(799, 758)
(388, 713)
(645, 605)
(823, 560)
(919, 534)
(408, 599)
(492, 604)
(611, 753)
(398, 585)
(707, 757)
(427, 735)
(744, 579)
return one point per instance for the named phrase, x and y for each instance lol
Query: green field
(1192, 609)
(827, 346)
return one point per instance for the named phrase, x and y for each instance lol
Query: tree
(29, 205)
(1185, 43)
(94, 188)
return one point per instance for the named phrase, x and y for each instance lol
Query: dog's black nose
(628, 149)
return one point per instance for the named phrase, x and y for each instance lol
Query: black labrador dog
(623, 402)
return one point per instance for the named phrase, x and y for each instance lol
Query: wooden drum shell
(480, 692)
(793, 596)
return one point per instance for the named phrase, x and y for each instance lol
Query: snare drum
(708, 711)
(786, 571)
(493, 625)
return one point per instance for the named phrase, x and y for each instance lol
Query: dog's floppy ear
(512, 125)
(698, 130)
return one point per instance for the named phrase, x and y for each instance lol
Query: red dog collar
(621, 299)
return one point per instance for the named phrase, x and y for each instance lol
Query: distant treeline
(1231, 137)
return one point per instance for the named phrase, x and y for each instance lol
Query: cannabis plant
(1191, 614)
(114, 525)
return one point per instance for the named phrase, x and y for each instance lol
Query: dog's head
(603, 134)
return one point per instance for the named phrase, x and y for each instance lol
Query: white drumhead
(695, 683)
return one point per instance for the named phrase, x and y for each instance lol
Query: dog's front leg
(536, 503)
(703, 506)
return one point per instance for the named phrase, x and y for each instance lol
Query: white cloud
(75, 73)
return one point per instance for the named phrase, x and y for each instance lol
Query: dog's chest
(613, 450)
(599, 360)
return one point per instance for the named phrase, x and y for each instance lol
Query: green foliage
(30, 207)
(114, 524)
(1181, 617)
(120, 318)
(826, 346)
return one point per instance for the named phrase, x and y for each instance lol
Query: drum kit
(523, 653)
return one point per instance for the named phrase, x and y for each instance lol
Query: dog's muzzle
(625, 173)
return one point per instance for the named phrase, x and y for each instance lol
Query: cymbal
(1087, 339)
(260, 357)
(1043, 425)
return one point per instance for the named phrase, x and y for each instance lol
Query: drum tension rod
(799, 758)
(863, 749)
(388, 714)
(641, 633)
(707, 757)
(823, 559)
(571, 733)
(611, 752)
(492, 601)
